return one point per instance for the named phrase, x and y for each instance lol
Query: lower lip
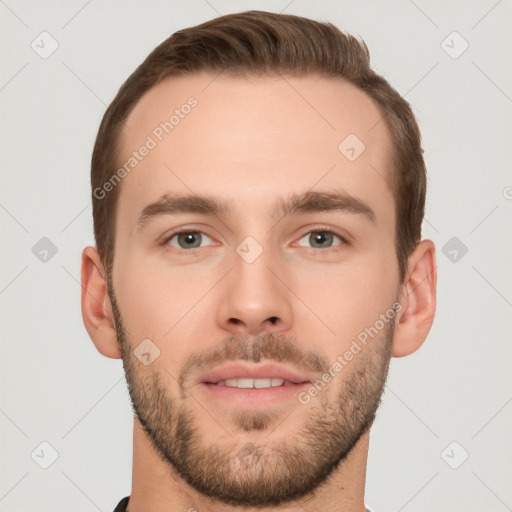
(253, 397)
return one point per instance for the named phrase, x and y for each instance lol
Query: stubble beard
(274, 468)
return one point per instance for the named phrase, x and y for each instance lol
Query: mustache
(272, 346)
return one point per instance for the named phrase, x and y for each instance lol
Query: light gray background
(56, 387)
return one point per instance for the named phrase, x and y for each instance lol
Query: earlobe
(96, 307)
(418, 299)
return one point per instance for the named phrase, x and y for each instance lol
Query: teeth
(244, 383)
(262, 383)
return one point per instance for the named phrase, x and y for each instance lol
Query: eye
(187, 239)
(322, 239)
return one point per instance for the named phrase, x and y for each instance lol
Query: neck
(157, 487)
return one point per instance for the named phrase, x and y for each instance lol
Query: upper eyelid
(321, 227)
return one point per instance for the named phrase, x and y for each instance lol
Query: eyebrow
(308, 202)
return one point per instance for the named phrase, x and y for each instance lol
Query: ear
(96, 307)
(418, 298)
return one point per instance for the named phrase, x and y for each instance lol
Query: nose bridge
(251, 274)
(254, 299)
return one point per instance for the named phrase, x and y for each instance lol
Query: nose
(254, 298)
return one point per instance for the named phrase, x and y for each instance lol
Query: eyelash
(315, 250)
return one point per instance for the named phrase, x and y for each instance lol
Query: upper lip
(245, 371)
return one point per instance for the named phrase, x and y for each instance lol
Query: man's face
(256, 286)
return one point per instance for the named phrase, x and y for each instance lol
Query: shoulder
(121, 506)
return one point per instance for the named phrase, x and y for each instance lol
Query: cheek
(343, 300)
(164, 303)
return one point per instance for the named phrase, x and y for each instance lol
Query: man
(258, 193)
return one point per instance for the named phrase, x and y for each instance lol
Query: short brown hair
(256, 43)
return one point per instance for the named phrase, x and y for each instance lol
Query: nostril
(273, 319)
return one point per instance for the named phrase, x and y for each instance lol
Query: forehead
(249, 139)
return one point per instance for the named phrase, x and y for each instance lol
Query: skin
(249, 141)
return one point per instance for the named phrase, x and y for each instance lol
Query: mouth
(246, 383)
(249, 386)
(248, 376)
